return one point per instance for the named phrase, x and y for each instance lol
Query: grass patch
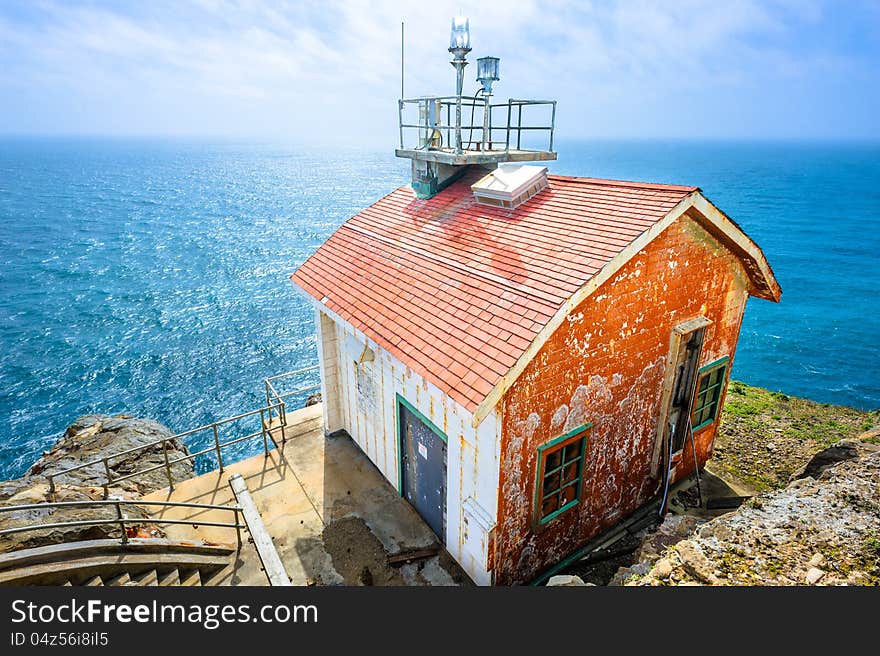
(765, 436)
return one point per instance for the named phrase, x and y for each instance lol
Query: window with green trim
(709, 386)
(560, 474)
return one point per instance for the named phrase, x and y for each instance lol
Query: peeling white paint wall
(362, 395)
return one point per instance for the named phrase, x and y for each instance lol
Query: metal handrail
(120, 518)
(512, 129)
(274, 398)
(264, 432)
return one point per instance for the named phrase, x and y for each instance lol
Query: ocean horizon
(150, 276)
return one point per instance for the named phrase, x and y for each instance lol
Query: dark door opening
(682, 399)
(423, 466)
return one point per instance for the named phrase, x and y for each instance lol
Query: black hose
(668, 469)
(470, 141)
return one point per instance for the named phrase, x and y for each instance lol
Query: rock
(769, 543)
(566, 580)
(837, 452)
(35, 493)
(662, 569)
(314, 399)
(814, 575)
(694, 562)
(92, 437)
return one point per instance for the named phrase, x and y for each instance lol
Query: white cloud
(321, 69)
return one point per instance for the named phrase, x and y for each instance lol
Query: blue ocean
(151, 276)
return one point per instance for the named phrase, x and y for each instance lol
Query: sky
(326, 72)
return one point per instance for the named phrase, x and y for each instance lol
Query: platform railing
(166, 443)
(277, 400)
(438, 135)
(120, 518)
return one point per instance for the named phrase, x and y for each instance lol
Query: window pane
(569, 494)
(570, 472)
(573, 450)
(553, 460)
(549, 505)
(551, 483)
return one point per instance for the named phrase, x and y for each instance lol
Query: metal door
(423, 467)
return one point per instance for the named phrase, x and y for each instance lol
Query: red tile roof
(457, 290)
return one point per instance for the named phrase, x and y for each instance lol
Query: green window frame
(710, 384)
(560, 474)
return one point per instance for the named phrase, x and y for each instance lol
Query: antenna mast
(401, 61)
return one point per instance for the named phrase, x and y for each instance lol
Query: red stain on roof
(457, 290)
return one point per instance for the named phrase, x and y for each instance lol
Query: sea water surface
(151, 276)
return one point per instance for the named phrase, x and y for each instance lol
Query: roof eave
(762, 281)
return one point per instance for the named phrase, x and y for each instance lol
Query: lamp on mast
(459, 46)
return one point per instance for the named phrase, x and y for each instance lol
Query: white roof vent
(510, 185)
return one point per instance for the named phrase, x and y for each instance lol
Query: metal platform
(448, 156)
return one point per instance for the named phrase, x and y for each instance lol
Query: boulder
(38, 492)
(567, 580)
(838, 452)
(91, 437)
(815, 531)
(814, 575)
(694, 561)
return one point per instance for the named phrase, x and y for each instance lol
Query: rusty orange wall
(606, 365)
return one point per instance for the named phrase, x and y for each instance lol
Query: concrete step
(170, 577)
(148, 579)
(222, 577)
(191, 578)
(120, 579)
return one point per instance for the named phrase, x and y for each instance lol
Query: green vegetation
(766, 436)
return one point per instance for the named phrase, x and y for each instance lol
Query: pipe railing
(276, 399)
(266, 413)
(512, 128)
(120, 517)
(272, 415)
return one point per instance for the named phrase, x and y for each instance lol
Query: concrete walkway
(333, 517)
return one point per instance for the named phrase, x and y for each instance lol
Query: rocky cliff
(90, 438)
(822, 529)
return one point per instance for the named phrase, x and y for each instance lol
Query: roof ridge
(623, 183)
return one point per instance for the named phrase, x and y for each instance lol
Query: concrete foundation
(313, 488)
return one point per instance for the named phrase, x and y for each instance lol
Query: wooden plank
(413, 555)
(269, 557)
(719, 503)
